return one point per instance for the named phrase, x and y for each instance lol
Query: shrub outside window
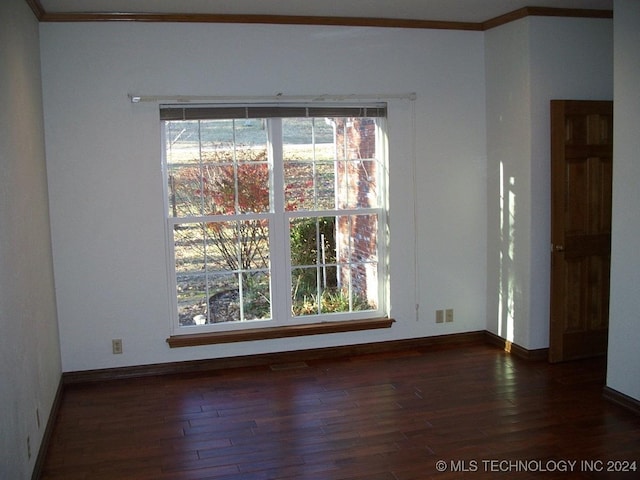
(275, 215)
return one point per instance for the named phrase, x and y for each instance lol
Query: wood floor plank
(386, 416)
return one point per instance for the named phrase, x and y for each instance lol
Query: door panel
(581, 173)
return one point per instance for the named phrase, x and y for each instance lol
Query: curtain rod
(273, 98)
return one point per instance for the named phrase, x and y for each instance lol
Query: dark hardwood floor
(375, 417)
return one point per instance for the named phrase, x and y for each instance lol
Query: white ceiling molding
(409, 13)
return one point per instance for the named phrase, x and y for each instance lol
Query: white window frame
(280, 251)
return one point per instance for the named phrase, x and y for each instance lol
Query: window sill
(269, 333)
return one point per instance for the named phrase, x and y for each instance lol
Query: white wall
(105, 183)
(29, 350)
(623, 372)
(529, 63)
(508, 111)
(571, 58)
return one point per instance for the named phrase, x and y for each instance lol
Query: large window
(275, 214)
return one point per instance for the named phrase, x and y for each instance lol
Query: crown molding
(258, 19)
(43, 16)
(36, 8)
(545, 12)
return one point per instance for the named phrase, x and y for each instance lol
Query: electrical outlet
(448, 315)
(439, 316)
(116, 344)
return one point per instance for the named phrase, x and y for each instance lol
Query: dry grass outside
(191, 153)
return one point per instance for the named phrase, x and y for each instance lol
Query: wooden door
(581, 172)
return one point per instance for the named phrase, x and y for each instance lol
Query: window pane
(364, 238)
(357, 238)
(184, 191)
(357, 169)
(357, 184)
(355, 138)
(364, 286)
(297, 138)
(309, 185)
(336, 174)
(366, 195)
(216, 140)
(182, 142)
(253, 243)
(256, 296)
(326, 185)
(298, 156)
(253, 187)
(304, 291)
(218, 189)
(314, 273)
(334, 289)
(299, 188)
(251, 132)
(192, 300)
(307, 138)
(335, 301)
(238, 245)
(189, 247)
(313, 240)
(309, 156)
(222, 246)
(357, 247)
(224, 299)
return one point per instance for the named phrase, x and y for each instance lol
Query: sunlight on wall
(507, 282)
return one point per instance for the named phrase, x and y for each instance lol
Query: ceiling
(433, 10)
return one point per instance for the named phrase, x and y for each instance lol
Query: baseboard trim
(48, 432)
(621, 399)
(515, 349)
(267, 359)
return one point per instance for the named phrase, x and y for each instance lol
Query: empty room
(319, 240)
